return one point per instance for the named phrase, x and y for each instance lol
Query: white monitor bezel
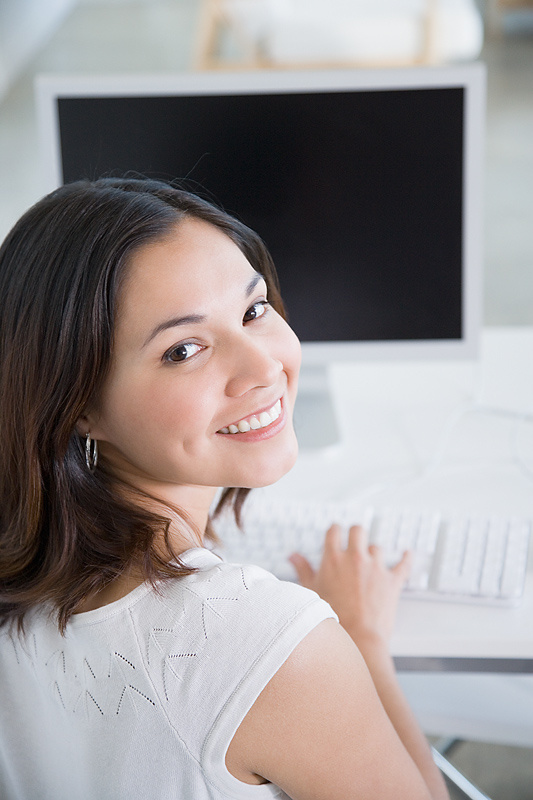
(471, 77)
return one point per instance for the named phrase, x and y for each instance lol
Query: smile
(256, 421)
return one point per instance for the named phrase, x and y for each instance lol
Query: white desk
(393, 416)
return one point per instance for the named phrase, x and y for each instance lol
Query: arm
(364, 593)
(327, 726)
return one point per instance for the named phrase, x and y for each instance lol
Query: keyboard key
(428, 533)
(515, 560)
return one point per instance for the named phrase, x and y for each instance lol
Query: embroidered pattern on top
(80, 684)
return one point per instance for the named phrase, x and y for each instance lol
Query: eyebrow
(194, 319)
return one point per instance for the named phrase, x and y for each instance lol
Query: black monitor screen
(358, 194)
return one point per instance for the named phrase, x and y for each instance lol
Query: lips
(255, 421)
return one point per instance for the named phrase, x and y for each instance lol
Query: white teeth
(255, 422)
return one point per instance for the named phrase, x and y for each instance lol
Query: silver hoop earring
(91, 452)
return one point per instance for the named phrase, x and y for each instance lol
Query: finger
(402, 569)
(376, 552)
(332, 542)
(358, 539)
(303, 568)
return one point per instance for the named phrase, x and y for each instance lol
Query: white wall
(25, 25)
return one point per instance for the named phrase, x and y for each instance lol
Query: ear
(82, 426)
(87, 423)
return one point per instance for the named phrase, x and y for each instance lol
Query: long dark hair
(66, 532)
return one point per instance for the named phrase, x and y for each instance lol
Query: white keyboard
(459, 559)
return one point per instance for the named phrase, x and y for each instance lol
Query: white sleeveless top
(142, 697)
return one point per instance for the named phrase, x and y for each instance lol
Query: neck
(194, 501)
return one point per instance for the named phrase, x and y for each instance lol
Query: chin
(272, 469)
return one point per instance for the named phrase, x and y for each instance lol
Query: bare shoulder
(318, 729)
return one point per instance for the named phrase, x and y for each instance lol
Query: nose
(253, 366)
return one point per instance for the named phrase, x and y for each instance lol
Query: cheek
(158, 413)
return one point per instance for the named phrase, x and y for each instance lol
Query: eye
(257, 310)
(182, 352)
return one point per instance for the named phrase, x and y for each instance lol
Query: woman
(138, 324)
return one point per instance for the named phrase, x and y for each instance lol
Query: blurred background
(168, 36)
(102, 36)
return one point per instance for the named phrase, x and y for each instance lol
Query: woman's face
(198, 353)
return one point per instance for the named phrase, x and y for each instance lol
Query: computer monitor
(365, 185)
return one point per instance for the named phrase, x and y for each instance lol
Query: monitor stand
(315, 420)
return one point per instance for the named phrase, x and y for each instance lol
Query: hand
(356, 583)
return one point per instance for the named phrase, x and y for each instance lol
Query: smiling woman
(64, 268)
(145, 362)
(197, 348)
